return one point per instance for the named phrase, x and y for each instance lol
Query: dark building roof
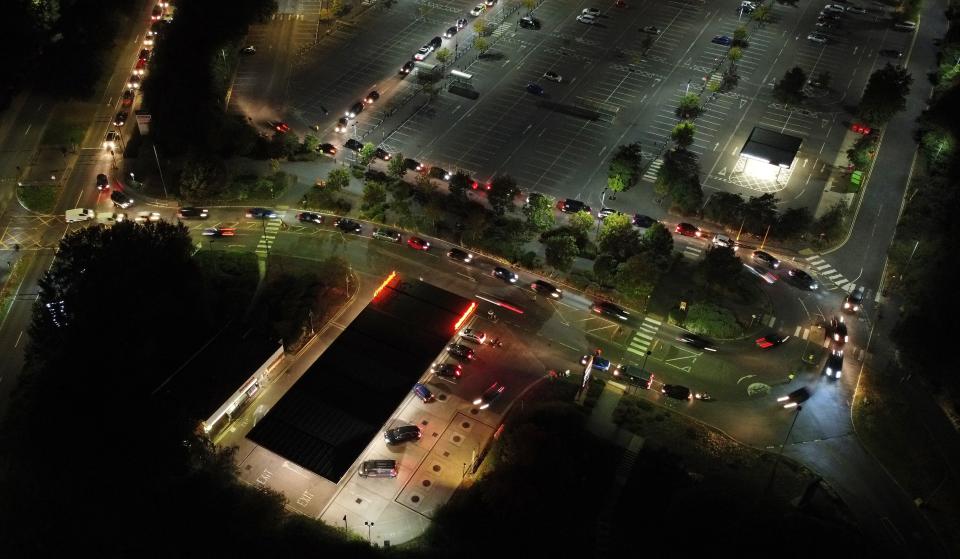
(218, 370)
(329, 416)
(773, 147)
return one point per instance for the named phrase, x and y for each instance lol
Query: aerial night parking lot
(422, 275)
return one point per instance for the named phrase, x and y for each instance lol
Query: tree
(636, 279)
(443, 55)
(861, 153)
(679, 168)
(720, 268)
(682, 134)
(762, 13)
(615, 183)
(885, 95)
(481, 44)
(310, 144)
(739, 37)
(396, 167)
(792, 223)
(560, 251)
(830, 226)
(373, 203)
(618, 237)
(760, 212)
(689, 106)
(582, 221)
(658, 246)
(605, 269)
(367, 153)
(459, 185)
(734, 54)
(201, 178)
(337, 180)
(480, 26)
(503, 189)
(529, 5)
(687, 195)
(336, 6)
(725, 208)
(626, 164)
(789, 90)
(539, 212)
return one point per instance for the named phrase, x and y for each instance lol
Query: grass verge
(66, 128)
(38, 197)
(9, 287)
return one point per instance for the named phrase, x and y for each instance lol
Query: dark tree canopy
(886, 94)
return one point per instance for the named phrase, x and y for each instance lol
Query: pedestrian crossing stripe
(643, 336)
(653, 170)
(824, 268)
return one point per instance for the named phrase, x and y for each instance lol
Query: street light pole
(369, 526)
(776, 463)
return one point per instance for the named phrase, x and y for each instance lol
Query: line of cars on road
(831, 18)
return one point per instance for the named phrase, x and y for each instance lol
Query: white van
(79, 214)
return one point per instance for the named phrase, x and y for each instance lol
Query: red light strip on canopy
(466, 314)
(385, 283)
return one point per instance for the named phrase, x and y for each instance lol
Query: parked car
(534, 88)
(724, 40)
(348, 226)
(439, 173)
(384, 234)
(448, 370)
(572, 206)
(423, 393)
(529, 22)
(473, 335)
(819, 38)
(643, 221)
(587, 19)
(402, 434)
(461, 352)
(553, 76)
(378, 468)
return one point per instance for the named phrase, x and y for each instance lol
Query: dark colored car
(418, 244)
(599, 363)
(407, 67)
(309, 217)
(489, 395)
(696, 341)
(120, 199)
(348, 226)
(688, 230)
(528, 22)
(766, 258)
(722, 40)
(402, 434)
(461, 352)
(771, 339)
(120, 119)
(634, 375)
(413, 164)
(854, 301)
(643, 221)
(891, 53)
(795, 398)
(356, 109)
(506, 275)
(448, 370)
(343, 123)
(423, 392)
(127, 98)
(676, 391)
(834, 365)
(546, 288)
(355, 145)
(371, 97)
(802, 279)
(461, 23)
(144, 55)
(435, 42)
(102, 182)
(572, 206)
(439, 173)
(836, 331)
(219, 232)
(535, 88)
(450, 32)
(328, 149)
(190, 212)
(261, 213)
(460, 255)
(609, 309)
(280, 126)
(382, 154)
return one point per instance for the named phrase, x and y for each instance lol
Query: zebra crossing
(270, 230)
(825, 270)
(651, 173)
(643, 336)
(692, 252)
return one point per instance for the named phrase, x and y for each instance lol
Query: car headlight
(555, 294)
(477, 401)
(485, 406)
(814, 286)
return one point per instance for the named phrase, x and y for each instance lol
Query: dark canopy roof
(773, 147)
